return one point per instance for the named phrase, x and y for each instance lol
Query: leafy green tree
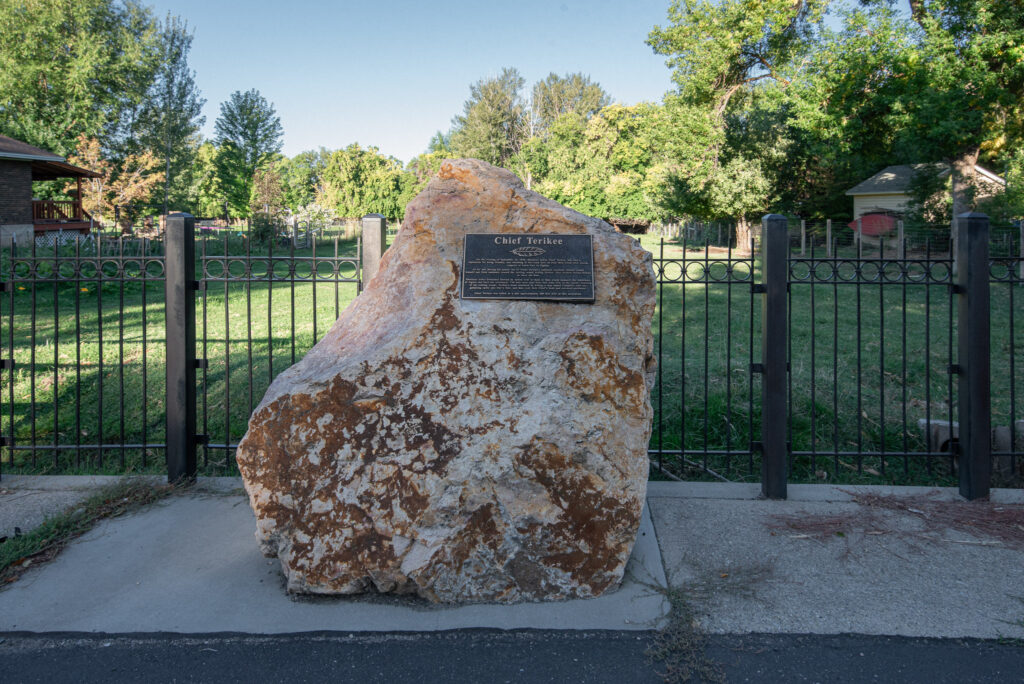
(301, 177)
(423, 168)
(599, 166)
(557, 95)
(963, 84)
(73, 67)
(359, 181)
(493, 125)
(832, 121)
(1009, 205)
(249, 134)
(171, 115)
(721, 53)
(717, 48)
(440, 143)
(207, 194)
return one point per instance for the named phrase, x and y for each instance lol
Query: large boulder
(463, 450)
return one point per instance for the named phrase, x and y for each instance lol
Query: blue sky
(390, 73)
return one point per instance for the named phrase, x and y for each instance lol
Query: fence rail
(796, 362)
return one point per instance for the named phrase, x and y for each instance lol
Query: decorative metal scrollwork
(703, 271)
(1006, 270)
(302, 269)
(87, 268)
(927, 271)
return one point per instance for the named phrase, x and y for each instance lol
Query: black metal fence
(884, 365)
(801, 361)
(125, 355)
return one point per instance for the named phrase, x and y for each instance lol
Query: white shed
(887, 191)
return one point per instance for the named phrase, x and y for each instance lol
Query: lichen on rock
(463, 450)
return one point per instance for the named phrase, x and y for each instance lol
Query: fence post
(828, 238)
(973, 387)
(803, 237)
(375, 241)
(775, 274)
(180, 302)
(901, 247)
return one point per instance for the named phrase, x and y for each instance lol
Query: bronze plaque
(550, 267)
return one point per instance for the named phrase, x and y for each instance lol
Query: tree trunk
(962, 172)
(167, 173)
(743, 235)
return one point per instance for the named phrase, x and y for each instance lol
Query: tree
(88, 155)
(493, 125)
(964, 84)
(424, 167)
(441, 142)
(557, 95)
(359, 181)
(249, 133)
(833, 119)
(267, 193)
(207, 194)
(718, 48)
(138, 175)
(599, 166)
(130, 182)
(171, 116)
(301, 177)
(819, 110)
(73, 67)
(721, 53)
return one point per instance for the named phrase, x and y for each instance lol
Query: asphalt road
(494, 656)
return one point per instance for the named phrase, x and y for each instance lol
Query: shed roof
(896, 179)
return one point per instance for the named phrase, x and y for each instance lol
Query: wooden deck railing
(48, 211)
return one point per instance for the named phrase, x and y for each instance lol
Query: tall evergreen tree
(249, 134)
(171, 119)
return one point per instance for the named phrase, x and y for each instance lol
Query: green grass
(705, 400)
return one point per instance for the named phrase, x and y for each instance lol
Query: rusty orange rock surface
(463, 450)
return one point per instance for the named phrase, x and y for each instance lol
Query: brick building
(21, 216)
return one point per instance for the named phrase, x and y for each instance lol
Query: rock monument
(459, 443)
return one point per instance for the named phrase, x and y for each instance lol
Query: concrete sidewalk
(748, 565)
(190, 564)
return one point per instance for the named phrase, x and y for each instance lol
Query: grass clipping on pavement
(997, 524)
(43, 543)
